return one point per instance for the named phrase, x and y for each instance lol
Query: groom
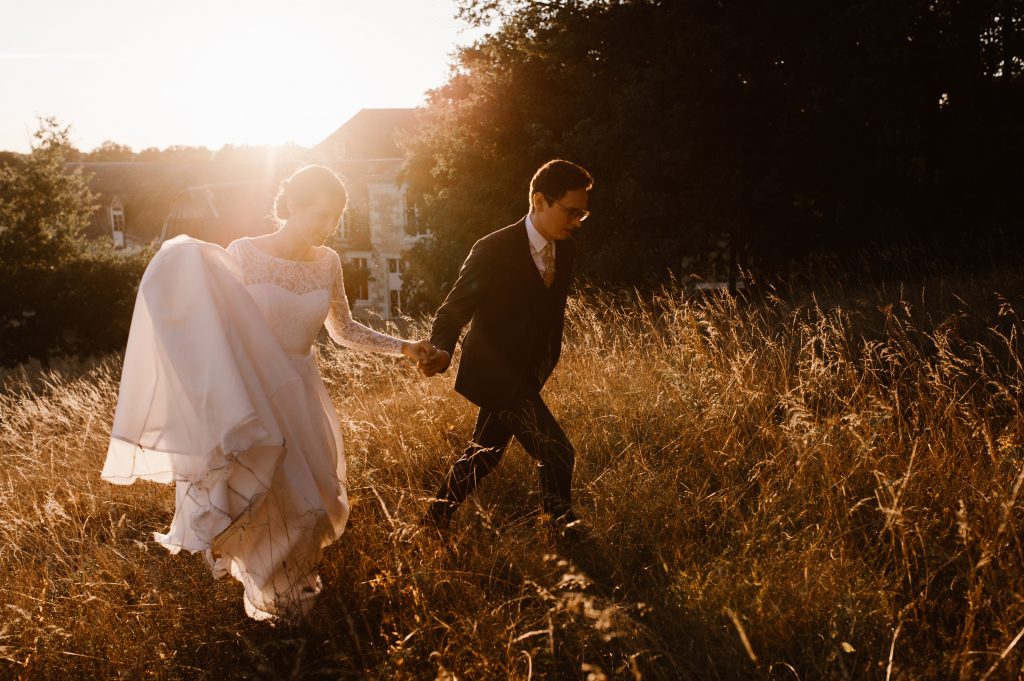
(513, 287)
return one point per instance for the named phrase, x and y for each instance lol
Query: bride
(221, 394)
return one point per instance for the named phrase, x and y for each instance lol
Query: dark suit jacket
(515, 338)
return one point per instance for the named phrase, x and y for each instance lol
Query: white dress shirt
(537, 244)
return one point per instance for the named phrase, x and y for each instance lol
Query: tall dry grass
(777, 490)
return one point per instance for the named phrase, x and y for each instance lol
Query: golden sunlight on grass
(776, 491)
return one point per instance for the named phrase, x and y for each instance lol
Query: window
(358, 281)
(396, 303)
(396, 266)
(413, 225)
(345, 229)
(115, 211)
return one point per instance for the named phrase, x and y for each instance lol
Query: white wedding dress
(221, 394)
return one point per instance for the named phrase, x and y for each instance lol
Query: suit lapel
(563, 263)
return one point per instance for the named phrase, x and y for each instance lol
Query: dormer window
(116, 213)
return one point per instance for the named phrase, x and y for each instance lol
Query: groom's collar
(537, 239)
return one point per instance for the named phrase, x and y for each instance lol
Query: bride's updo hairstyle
(305, 186)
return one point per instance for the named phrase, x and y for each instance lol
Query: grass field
(784, 490)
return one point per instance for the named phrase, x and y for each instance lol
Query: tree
(43, 209)
(110, 151)
(62, 295)
(789, 129)
(181, 153)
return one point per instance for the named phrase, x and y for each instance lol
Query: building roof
(154, 193)
(222, 212)
(145, 190)
(370, 134)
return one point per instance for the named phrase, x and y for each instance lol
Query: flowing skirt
(210, 401)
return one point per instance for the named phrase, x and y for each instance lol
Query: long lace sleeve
(350, 333)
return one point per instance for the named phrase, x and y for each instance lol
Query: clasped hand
(418, 351)
(437, 361)
(429, 360)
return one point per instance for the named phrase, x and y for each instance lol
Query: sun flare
(219, 73)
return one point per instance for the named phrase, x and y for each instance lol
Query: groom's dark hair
(555, 178)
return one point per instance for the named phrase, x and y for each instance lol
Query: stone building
(378, 226)
(380, 223)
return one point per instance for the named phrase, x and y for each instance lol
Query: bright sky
(150, 73)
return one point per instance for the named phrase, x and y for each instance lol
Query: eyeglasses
(570, 212)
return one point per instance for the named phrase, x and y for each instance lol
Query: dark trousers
(532, 423)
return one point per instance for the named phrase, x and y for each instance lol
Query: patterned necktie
(549, 263)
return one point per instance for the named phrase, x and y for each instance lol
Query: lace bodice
(298, 297)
